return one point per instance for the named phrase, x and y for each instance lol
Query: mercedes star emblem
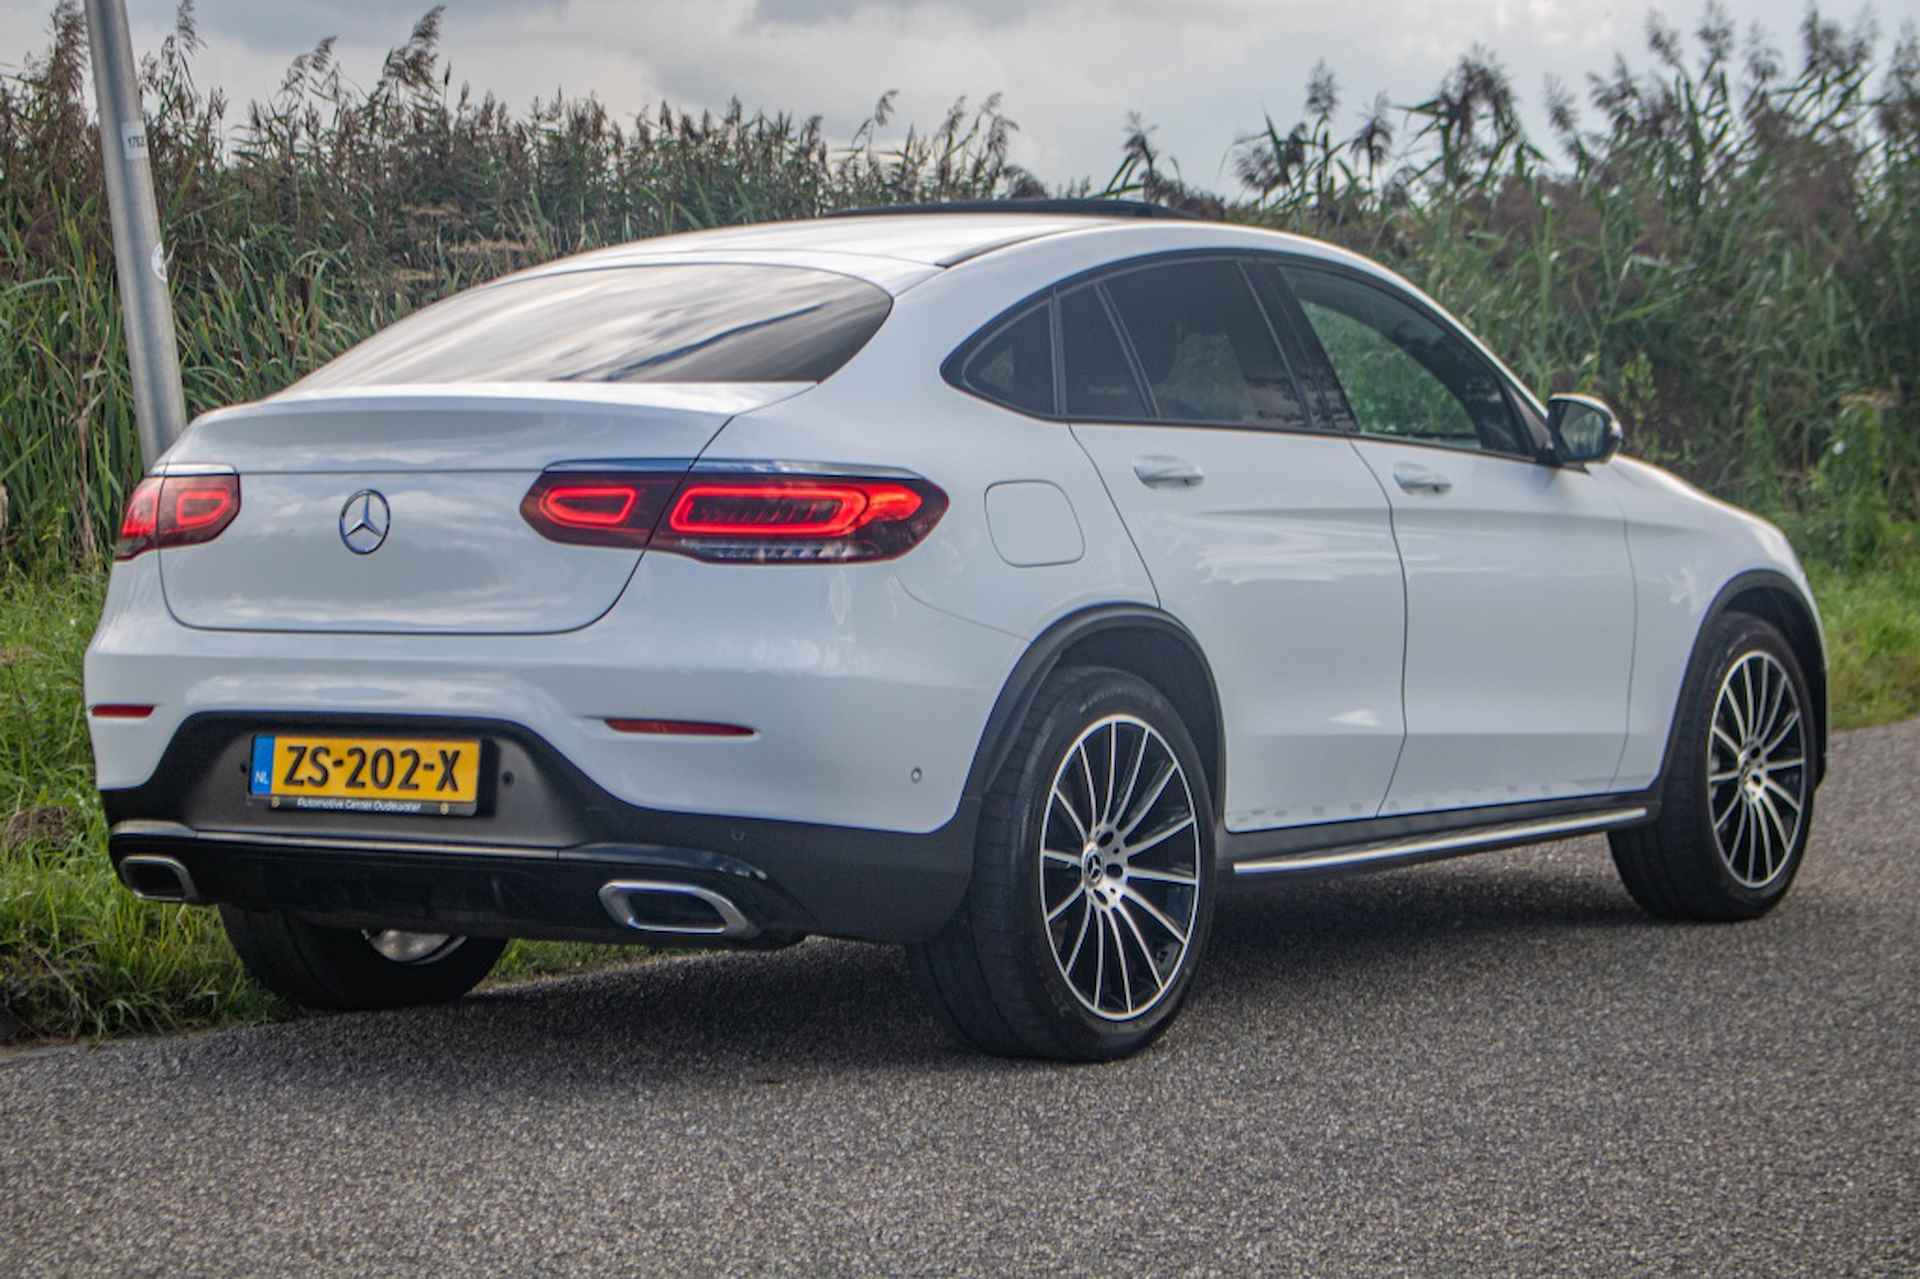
(364, 522)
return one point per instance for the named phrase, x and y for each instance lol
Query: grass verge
(1872, 620)
(79, 956)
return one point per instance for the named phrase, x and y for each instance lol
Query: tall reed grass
(1724, 244)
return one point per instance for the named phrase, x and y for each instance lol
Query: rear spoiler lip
(707, 397)
(214, 437)
(168, 467)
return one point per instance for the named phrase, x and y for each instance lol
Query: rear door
(1520, 606)
(1268, 539)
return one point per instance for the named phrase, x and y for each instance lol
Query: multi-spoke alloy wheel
(1119, 867)
(324, 967)
(1757, 772)
(1087, 914)
(1736, 798)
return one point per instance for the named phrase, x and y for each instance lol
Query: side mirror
(1584, 429)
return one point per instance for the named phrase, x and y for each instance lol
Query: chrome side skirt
(1451, 843)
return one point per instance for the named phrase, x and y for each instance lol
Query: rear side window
(691, 323)
(1205, 346)
(1014, 366)
(1100, 382)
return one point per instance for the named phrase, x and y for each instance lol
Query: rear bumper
(866, 707)
(533, 861)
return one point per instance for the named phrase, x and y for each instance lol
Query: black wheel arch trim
(1043, 657)
(1736, 586)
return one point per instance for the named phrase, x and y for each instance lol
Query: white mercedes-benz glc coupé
(1004, 581)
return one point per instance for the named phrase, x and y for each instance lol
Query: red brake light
(141, 522)
(589, 505)
(197, 505)
(177, 510)
(598, 509)
(786, 519)
(740, 518)
(121, 710)
(788, 508)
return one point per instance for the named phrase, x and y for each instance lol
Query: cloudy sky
(1202, 71)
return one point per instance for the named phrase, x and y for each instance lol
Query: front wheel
(1737, 803)
(352, 968)
(1092, 889)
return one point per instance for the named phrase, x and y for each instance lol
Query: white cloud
(1069, 70)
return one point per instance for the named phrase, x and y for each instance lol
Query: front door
(1269, 540)
(1520, 604)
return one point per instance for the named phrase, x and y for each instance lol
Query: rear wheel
(1737, 804)
(349, 968)
(1092, 889)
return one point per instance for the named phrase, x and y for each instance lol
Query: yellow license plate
(366, 774)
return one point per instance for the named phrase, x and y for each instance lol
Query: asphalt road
(1496, 1065)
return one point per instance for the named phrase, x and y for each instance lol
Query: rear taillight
(617, 508)
(740, 518)
(141, 522)
(177, 510)
(798, 519)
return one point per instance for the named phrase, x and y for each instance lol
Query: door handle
(1418, 479)
(1162, 472)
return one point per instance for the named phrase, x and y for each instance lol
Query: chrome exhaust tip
(158, 879)
(684, 910)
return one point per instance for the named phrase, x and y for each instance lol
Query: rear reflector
(742, 518)
(678, 728)
(121, 710)
(177, 510)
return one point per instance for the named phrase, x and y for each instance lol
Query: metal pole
(140, 261)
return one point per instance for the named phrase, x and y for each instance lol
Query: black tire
(338, 968)
(997, 974)
(1689, 866)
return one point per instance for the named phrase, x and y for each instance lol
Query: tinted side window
(1204, 345)
(1314, 374)
(1014, 366)
(627, 324)
(1403, 374)
(1100, 382)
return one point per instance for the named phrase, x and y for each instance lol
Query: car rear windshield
(715, 323)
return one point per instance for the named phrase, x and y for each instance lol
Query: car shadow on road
(825, 1006)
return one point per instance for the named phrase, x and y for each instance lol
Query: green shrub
(1731, 255)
